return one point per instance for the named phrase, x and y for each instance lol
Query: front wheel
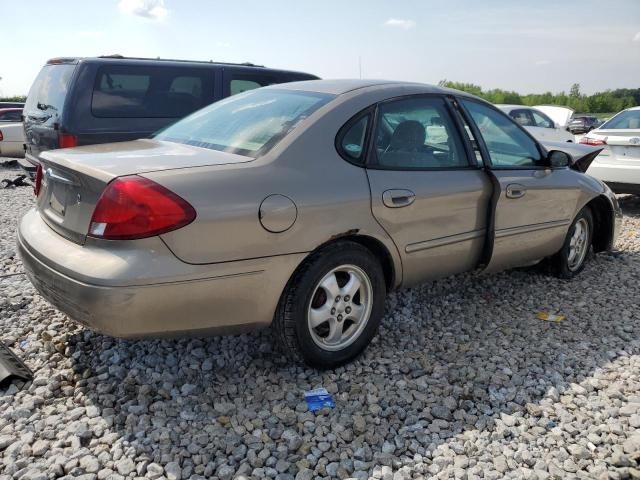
(332, 306)
(571, 259)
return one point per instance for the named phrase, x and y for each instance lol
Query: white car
(539, 123)
(618, 165)
(12, 140)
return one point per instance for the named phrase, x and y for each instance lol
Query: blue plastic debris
(318, 398)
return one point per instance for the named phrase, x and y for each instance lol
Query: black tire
(290, 324)
(560, 264)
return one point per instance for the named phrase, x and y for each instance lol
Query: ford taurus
(300, 206)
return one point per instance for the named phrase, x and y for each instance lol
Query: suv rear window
(122, 91)
(49, 89)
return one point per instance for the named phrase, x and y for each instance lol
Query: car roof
(342, 86)
(120, 59)
(508, 108)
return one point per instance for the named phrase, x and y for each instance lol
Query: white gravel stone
(461, 382)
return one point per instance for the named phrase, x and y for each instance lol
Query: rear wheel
(571, 259)
(332, 306)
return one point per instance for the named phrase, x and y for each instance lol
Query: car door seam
(444, 241)
(507, 232)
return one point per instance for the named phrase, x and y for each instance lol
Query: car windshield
(248, 124)
(629, 119)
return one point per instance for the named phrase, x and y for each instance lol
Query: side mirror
(558, 159)
(556, 125)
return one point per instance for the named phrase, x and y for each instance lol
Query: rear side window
(123, 91)
(352, 140)
(49, 90)
(11, 116)
(417, 133)
(239, 82)
(239, 85)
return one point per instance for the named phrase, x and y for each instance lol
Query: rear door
(44, 108)
(533, 204)
(427, 191)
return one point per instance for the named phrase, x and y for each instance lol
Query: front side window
(522, 117)
(123, 91)
(248, 124)
(508, 145)
(417, 133)
(542, 120)
(629, 119)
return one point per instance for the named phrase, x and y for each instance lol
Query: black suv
(583, 124)
(83, 101)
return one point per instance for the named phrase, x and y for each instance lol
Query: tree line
(609, 101)
(18, 98)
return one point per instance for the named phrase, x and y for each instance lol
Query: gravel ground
(461, 382)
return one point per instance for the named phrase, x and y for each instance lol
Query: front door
(533, 203)
(427, 190)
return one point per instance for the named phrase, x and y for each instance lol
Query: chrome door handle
(398, 198)
(515, 190)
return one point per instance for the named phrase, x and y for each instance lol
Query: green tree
(608, 101)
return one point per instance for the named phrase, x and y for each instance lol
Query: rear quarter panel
(332, 197)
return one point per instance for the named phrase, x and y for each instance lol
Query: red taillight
(1, 137)
(592, 141)
(134, 207)
(38, 184)
(66, 140)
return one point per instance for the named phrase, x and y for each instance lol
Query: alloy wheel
(340, 307)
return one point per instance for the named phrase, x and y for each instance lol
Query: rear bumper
(191, 299)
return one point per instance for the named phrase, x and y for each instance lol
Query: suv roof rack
(243, 64)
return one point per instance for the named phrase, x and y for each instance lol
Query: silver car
(300, 206)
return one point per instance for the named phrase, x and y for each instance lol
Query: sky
(530, 46)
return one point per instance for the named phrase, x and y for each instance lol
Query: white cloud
(151, 9)
(400, 23)
(636, 37)
(542, 62)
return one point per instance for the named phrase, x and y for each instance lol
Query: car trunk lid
(73, 179)
(623, 143)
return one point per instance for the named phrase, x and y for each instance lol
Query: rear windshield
(49, 90)
(629, 119)
(247, 124)
(129, 91)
